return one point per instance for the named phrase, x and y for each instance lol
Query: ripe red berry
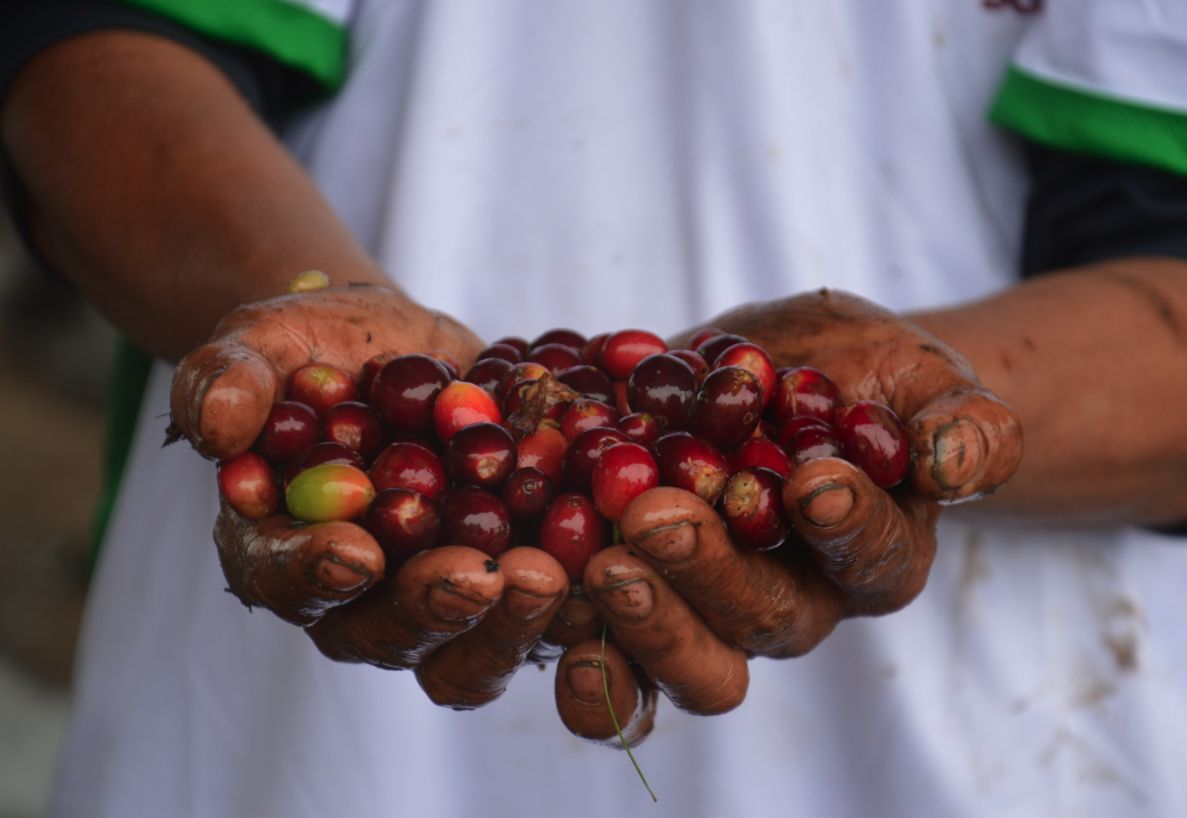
(520, 372)
(710, 349)
(760, 453)
(639, 428)
(586, 413)
(527, 494)
(358, 426)
(875, 440)
(514, 341)
(700, 367)
(812, 442)
(504, 352)
(489, 373)
(728, 407)
(786, 432)
(583, 455)
(755, 359)
(805, 391)
(462, 404)
(475, 518)
(752, 507)
(545, 450)
(320, 386)
(622, 473)
(572, 531)
(319, 454)
(370, 370)
(692, 464)
(249, 486)
(589, 381)
(405, 390)
(290, 429)
(409, 466)
(664, 387)
(591, 353)
(447, 360)
(403, 522)
(702, 335)
(556, 358)
(564, 337)
(482, 454)
(624, 349)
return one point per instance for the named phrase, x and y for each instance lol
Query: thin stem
(614, 718)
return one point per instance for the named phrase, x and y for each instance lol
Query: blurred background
(55, 358)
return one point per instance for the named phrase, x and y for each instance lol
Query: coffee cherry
(249, 486)
(804, 391)
(639, 428)
(589, 381)
(760, 453)
(475, 518)
(556, 358)
(489, 373)
(320, 454)
(585, 414)
(514, 341)
(563, 337)
(664, 387)
(403, 522)
(290, 429)
(409, 466)
(527, 494)
(545, 450)
(811, 443)
(572, 531)
(329, 492)
(752, 507)
(755, 359)
(700, 367)
(462, 404)
(504, 352)
(692, 464)
(875, 440)
(320, 386)
(727, 408)
(405, 390)
(447, 360)
(520, 372)
(358, 426)
(370, 370)
(710, 349)
(702, 335)
(482, 454)
(591, 353)
(583, 455)
(785, 433)
(622, 473)
(624, 349)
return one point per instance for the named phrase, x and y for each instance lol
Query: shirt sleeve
(1103, 77)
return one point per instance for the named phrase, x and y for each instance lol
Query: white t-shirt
(525, 165)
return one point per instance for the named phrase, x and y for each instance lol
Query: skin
(124, 144)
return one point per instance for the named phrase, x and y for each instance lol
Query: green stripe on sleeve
(292, 34)
(125, 393)
(1077, 120)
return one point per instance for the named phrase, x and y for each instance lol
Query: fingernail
(333, 576)
(671, 543)
(828, 505)
(960, 450)
(630, 599)
(525, 606)
(585, 682)
(448, 605)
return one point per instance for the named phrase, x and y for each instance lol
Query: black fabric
(1084, 209)
(29, 26)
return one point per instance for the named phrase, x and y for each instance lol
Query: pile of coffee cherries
(546, 443)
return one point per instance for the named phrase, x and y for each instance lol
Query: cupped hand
(462, 621)
(687, 606)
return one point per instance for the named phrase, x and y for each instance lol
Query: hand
(690, 606)
(461, 620)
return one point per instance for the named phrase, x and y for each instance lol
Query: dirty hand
(687, 606)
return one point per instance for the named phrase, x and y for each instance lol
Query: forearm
(156, 189)
(1094, 362)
